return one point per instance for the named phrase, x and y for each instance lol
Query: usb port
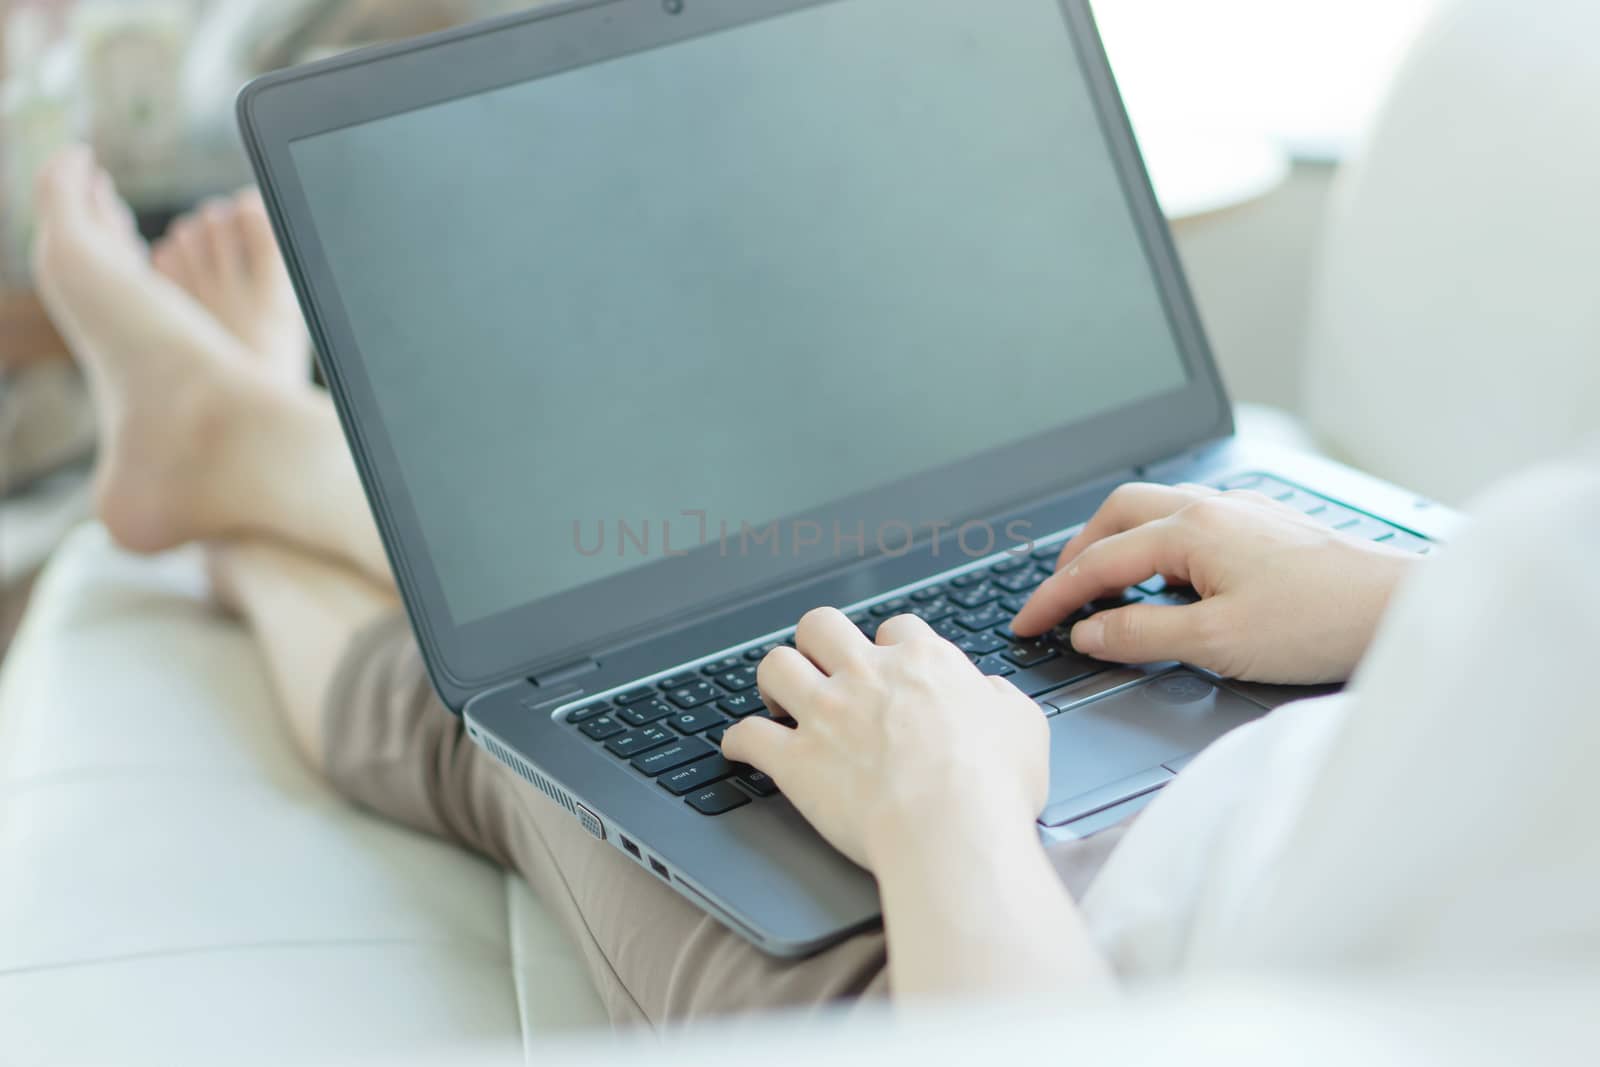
(660, 868)
(633, 849)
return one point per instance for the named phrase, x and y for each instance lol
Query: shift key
(695, 775)
(665, 759)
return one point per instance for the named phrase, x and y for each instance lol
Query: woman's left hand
(894, 737)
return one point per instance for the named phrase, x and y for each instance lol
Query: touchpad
(1113, 748)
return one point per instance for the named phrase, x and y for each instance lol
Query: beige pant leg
(654, 957)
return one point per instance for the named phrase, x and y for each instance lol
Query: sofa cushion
(166, 856)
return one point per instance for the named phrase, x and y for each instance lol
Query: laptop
(653, 325)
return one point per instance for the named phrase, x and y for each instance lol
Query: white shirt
(1441, 814)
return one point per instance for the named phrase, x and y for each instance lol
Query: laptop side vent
(528, 774)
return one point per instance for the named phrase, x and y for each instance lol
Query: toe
(189, 237)
(64, 181)
(221, 236)
(260, 243)
(108, 205)
(166, 257)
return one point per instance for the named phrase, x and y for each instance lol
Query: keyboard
(670, 729)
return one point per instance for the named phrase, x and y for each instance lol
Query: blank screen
(743, 275)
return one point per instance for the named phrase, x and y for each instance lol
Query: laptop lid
(633, 310)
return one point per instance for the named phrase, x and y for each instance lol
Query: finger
(763, 744)
(788, 682)
(1129, 506)
(902, 628)
(1107, 566)
(1149, 633)
(830, 640)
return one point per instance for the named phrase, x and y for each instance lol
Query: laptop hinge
(566, 672)
(1164, 470)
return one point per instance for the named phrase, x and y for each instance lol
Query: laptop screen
(618, 312)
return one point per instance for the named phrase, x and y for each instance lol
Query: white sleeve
(1439, 814)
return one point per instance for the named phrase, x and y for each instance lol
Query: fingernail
(1089, 636)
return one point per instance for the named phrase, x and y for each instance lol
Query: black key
(715, 735)
(869, 628)
(980, 644)
(695, 775)
(633, 696)
(758, 782)
(1047, 553)
(975, 596)
(1020, 582)
(963, 581)
(716, 799)
(860, 617)
(679, 681)
(1014, 604)
(984, 618)
(1054, 673)
(603, 727)
(694, 694)
(737, 680)
(670, 757)
(950, 630)
(1177, 597)
(1009, 564)
(729, 663)
(741, 704)
(692, 722)
(1030, 653)
(933, 610)
(759, 653)
(1007, 634)
(646, 712)
(932, 592)
(1110, 603)
(635, 742)
(996, 664)
(895, 606)
(585, 714)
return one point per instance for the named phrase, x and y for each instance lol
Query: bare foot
(166, 377)
(224, 255)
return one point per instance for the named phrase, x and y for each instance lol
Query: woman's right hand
(1282, 599)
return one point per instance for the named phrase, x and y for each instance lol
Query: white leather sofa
(176, 888)
(175, 884)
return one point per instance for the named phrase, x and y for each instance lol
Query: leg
(373, 723)
(201, 436)
(303, 611)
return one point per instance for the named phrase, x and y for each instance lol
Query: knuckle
(1123, 629)
(1207, 513)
